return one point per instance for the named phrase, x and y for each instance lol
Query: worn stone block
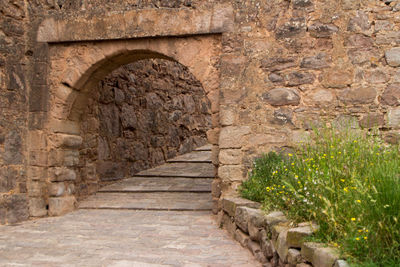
(230, 156)
(295, 236)
(61, 205)
(320, 30)
(233, 136)
(275, 217)
(391, 95)
(325, 257)
(13, 148)
(231, 203)
(358, 95)
(319, 61)
(231, 173)
(57, 189)
(372, 120)
(241, 237)
(229, 224)
(66, 141)
(393, 57)
(394, 117)
(243, 215)
(308, 250)
(36, 173)
(282, 246)
(37, 207)
(17, 208)
(337, 78)
(282, 97)
(36, 188)
(294, 256)
(60, 174)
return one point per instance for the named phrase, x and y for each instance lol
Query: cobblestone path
(161, 217)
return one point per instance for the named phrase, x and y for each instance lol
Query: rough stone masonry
(271, 69)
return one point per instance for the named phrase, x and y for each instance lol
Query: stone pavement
(126, 224)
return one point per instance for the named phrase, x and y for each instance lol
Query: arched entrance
(76, 68)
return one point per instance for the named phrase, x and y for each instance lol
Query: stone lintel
(137, 24)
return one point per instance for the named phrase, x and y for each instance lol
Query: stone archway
(76, 68)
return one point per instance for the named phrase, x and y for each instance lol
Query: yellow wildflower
(290, 155)
(365, 237)
(353, 219)
(358, 201)
(357, 238)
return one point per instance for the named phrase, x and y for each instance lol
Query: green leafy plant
(345, 180)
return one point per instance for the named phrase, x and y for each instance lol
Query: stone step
(182, 169)
(204, 148)
(160, 184)
(202, 156)
(149, 201)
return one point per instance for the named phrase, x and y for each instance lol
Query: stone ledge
(272, 239)
(138, 24)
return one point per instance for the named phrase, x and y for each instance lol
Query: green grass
(348, 182)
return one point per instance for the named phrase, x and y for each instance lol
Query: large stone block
(37, 207)
(233, 136)
(372, 120)
(230, 156)
(61, 205)
(66, 141)
(13, 148)
(394, 117)
(17, 208)
(282, 97)
(229, 224)
(8, 179)
(391, 95)
(60, 174)
(296, 236)
(325, 257)
(308, 250)
(337, 78)
(322, 30)
(243, 215)
(393, 57)
(358, 95)
(231, 173)
(230, 204)
(282, 247)
(319, 61)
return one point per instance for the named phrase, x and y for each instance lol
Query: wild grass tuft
(348, 182)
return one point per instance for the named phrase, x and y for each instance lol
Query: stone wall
(284, 67)
(141, 115)
(291, 65)
(273, 239)
(13, 112)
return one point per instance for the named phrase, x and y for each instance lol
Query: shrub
(348, 182)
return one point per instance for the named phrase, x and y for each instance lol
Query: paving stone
(122, 238)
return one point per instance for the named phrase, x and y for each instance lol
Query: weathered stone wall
(142, 114)
(13, 115)
(273, 239)
(289, 65)
(285, 66)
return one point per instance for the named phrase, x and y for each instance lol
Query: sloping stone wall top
(138, 23)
